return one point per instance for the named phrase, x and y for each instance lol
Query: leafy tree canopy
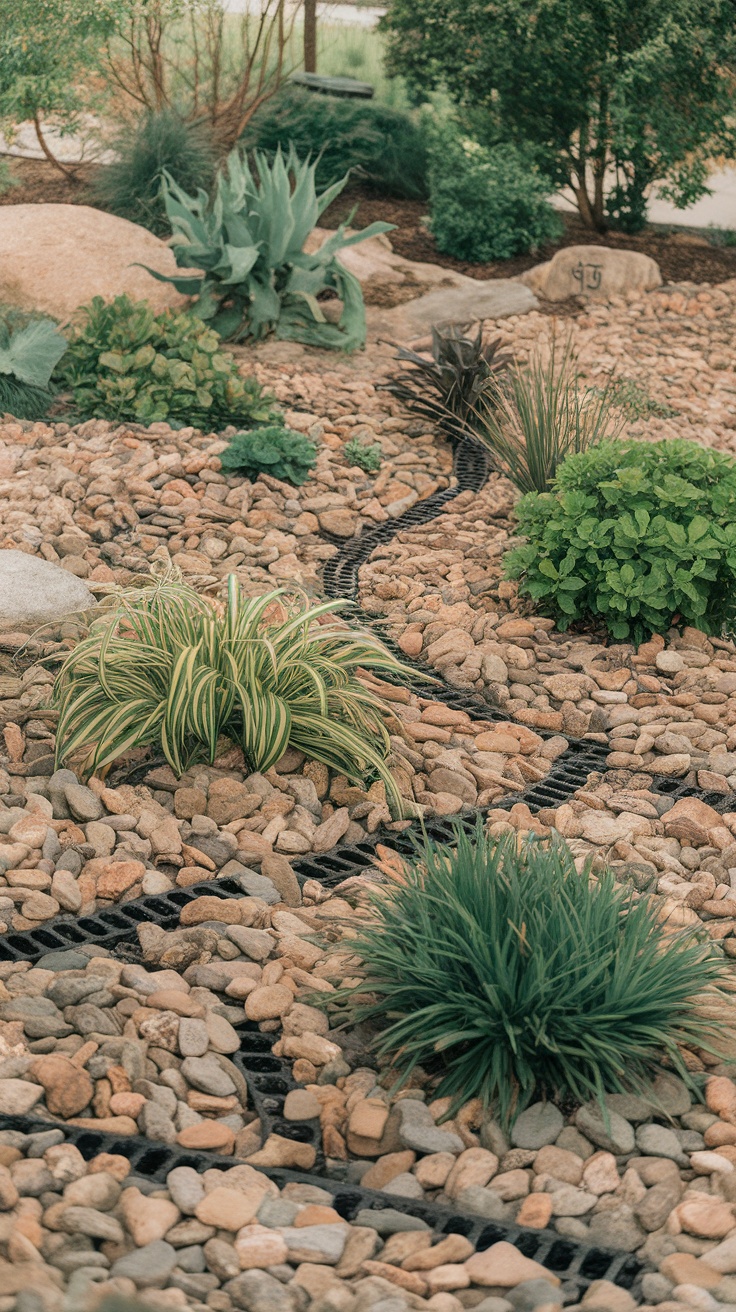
(613, 95)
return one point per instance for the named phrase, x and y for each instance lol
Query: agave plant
(248, 241)
(28, 356)
(448, 387)
(171, 669)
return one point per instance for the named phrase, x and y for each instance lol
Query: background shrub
(385, 147)
(125, 362)
(639, 535)
(512, 976)
(487, 204)
(272, 450)
(131, 186)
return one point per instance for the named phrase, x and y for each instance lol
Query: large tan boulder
(57, 257)
(599, 271)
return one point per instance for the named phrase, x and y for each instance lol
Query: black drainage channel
(151, 1162)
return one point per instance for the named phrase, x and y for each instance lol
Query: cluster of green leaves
(30, 349)
(537, 415)
(170, 669)
(248, 239)
(131, 185)
(273, 450)
(385, 148)
(487, 204)
(638, 535)
(446, 387)
(366, 455)
(125, 362)
(500, 968)
(634, 91)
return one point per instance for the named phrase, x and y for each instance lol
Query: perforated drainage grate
(573, 1262)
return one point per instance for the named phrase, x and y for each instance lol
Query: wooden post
(310, 36)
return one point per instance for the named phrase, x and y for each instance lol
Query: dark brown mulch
(682, 257)
(38, 183)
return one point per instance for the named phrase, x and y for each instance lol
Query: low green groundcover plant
(125, 362)
(30, 349)
(499, 968)
(487, 204)
(247, 240)
(271, 450)
(385, 148)
(638, 535)
(169, 669)
(366, 455)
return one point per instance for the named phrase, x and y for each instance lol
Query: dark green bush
(639, 535)
(272, 450)
(511, 975)
(384, 146)
(131, 185)
(487, 204)
(125, 362)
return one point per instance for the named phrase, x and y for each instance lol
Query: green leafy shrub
(538, 415)
(639, 535)
(487, 204)
(125, 362)
(168, 668)
(447, 386)
(510, 975)
(384, 147)
(30, 349)
(271, 450)
(248, 239)
(131, 185)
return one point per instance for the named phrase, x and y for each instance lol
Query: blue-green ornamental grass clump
(640, 536)
(503, 971)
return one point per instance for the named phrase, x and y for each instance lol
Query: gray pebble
(540, 1124)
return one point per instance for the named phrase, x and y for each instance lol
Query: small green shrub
(366, 455)
(511, 976)
(385, 148)
(538, 415)
(248, 239)
(126, 363)
(169, 668)
(448, 386)
(30, 349)
(487, 204)
(639, 535)
(271, 450)
(131, 185)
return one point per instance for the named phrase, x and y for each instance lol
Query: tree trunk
(310, 36)
(43, 143)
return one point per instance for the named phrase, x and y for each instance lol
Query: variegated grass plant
(168, 668)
